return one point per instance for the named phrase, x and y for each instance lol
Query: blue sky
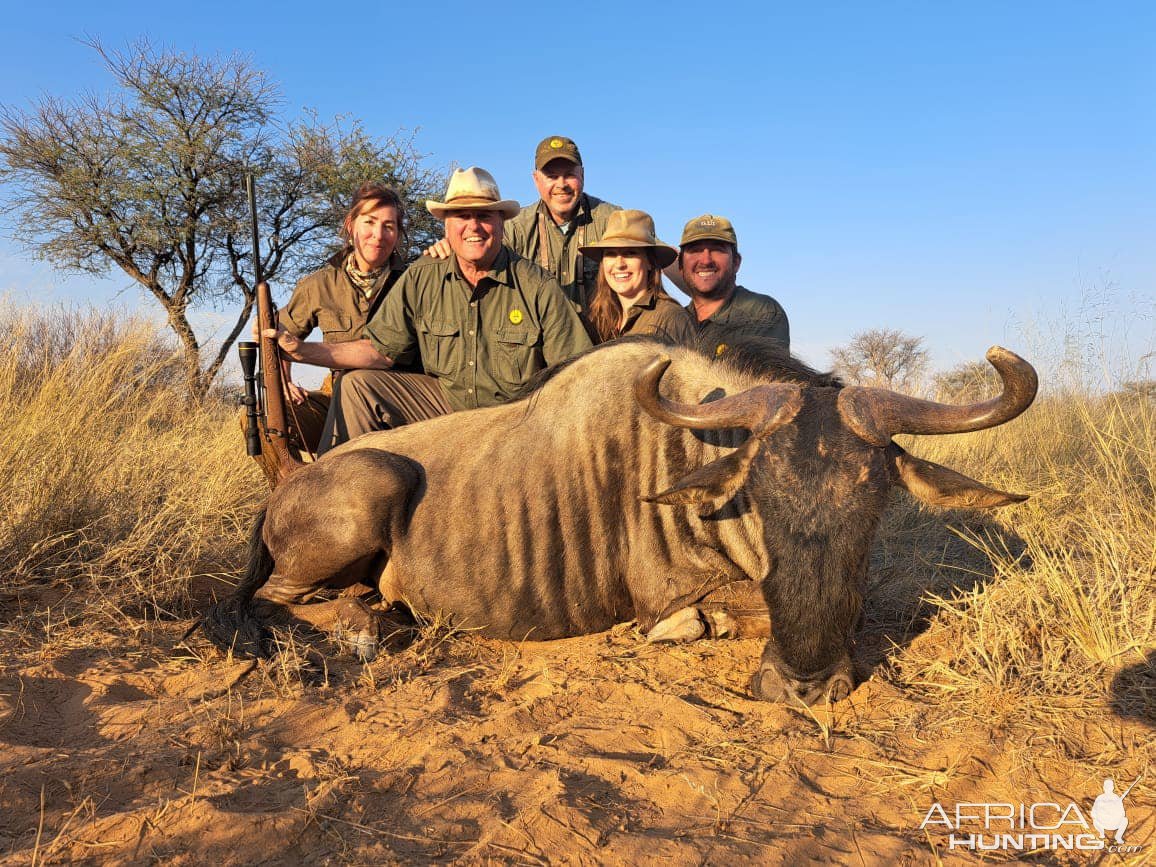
(971, 173)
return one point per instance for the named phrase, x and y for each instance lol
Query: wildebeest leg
(735, 610)
(351, 621)
(348, 617)
(332, 526)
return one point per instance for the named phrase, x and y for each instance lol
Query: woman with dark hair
(342, 296)
(629, 298)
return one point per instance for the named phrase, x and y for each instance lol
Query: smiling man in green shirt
(721, 311)
(550, 231)
(481, 322)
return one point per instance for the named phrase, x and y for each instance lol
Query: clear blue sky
(959, 171)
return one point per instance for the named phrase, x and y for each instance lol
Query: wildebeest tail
(232, 624)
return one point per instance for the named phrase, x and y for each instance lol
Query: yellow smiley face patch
(516, 316)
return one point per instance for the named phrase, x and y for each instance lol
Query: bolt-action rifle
(267, 429)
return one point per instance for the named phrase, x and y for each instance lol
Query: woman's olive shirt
(661, 316)
(328, 299)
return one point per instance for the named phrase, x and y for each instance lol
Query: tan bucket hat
(631, 230)
(472, 189)
(709, 227)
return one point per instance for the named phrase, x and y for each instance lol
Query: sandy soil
(140, 747)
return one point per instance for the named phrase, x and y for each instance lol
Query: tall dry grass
(116, 491)
(1068, 618)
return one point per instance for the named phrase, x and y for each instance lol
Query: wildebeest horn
(761, 409)
(876, 414)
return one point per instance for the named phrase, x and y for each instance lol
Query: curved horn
(877, 414)
(761, 409)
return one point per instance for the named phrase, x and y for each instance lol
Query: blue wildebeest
(634, 483)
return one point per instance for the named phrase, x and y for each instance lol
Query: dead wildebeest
(634, 483)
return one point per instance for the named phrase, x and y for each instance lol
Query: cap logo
(556, 143)
(708, 223)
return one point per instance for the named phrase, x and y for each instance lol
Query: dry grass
(1069, 618)
(116, 492)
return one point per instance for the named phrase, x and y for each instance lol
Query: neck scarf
(363, 280)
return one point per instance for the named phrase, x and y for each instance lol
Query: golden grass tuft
(117, 491)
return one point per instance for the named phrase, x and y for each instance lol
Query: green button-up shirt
(576, 273)
(482, 344)
(745, 314)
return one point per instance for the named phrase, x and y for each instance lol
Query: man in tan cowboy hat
(551, 230)
(482, 322)
(723, 312)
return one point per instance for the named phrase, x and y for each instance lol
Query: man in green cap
(722, 311)
(550, 231)
(482, 322)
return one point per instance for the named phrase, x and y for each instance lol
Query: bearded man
(721, 311)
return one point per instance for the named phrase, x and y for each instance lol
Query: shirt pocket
(337, 327)
(517, 355)
(441, 347)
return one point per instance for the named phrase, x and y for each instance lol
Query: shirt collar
(499, 272)
(719, 315)
(647, 302)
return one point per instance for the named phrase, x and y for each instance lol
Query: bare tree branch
(882, 357)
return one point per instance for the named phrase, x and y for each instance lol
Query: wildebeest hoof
(356, 628)
(720, 623)
(362, 644)
(839, 687)
(684, 625)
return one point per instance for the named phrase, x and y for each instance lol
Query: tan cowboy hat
(472, 189)
(631, 230)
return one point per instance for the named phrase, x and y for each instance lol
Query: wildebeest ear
(711, 487)
(939, 486)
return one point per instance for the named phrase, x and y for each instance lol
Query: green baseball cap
(709, 227)
(554, 147)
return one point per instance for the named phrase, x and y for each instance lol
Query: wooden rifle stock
(278, 459)
(275, 422)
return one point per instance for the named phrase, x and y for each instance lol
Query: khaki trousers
(370, 400)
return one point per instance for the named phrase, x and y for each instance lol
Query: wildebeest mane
(765, 359)
(752, 356)
(540, 378)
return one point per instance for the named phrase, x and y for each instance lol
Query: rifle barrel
(250, 190)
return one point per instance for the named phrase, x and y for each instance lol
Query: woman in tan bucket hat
(629, 298)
